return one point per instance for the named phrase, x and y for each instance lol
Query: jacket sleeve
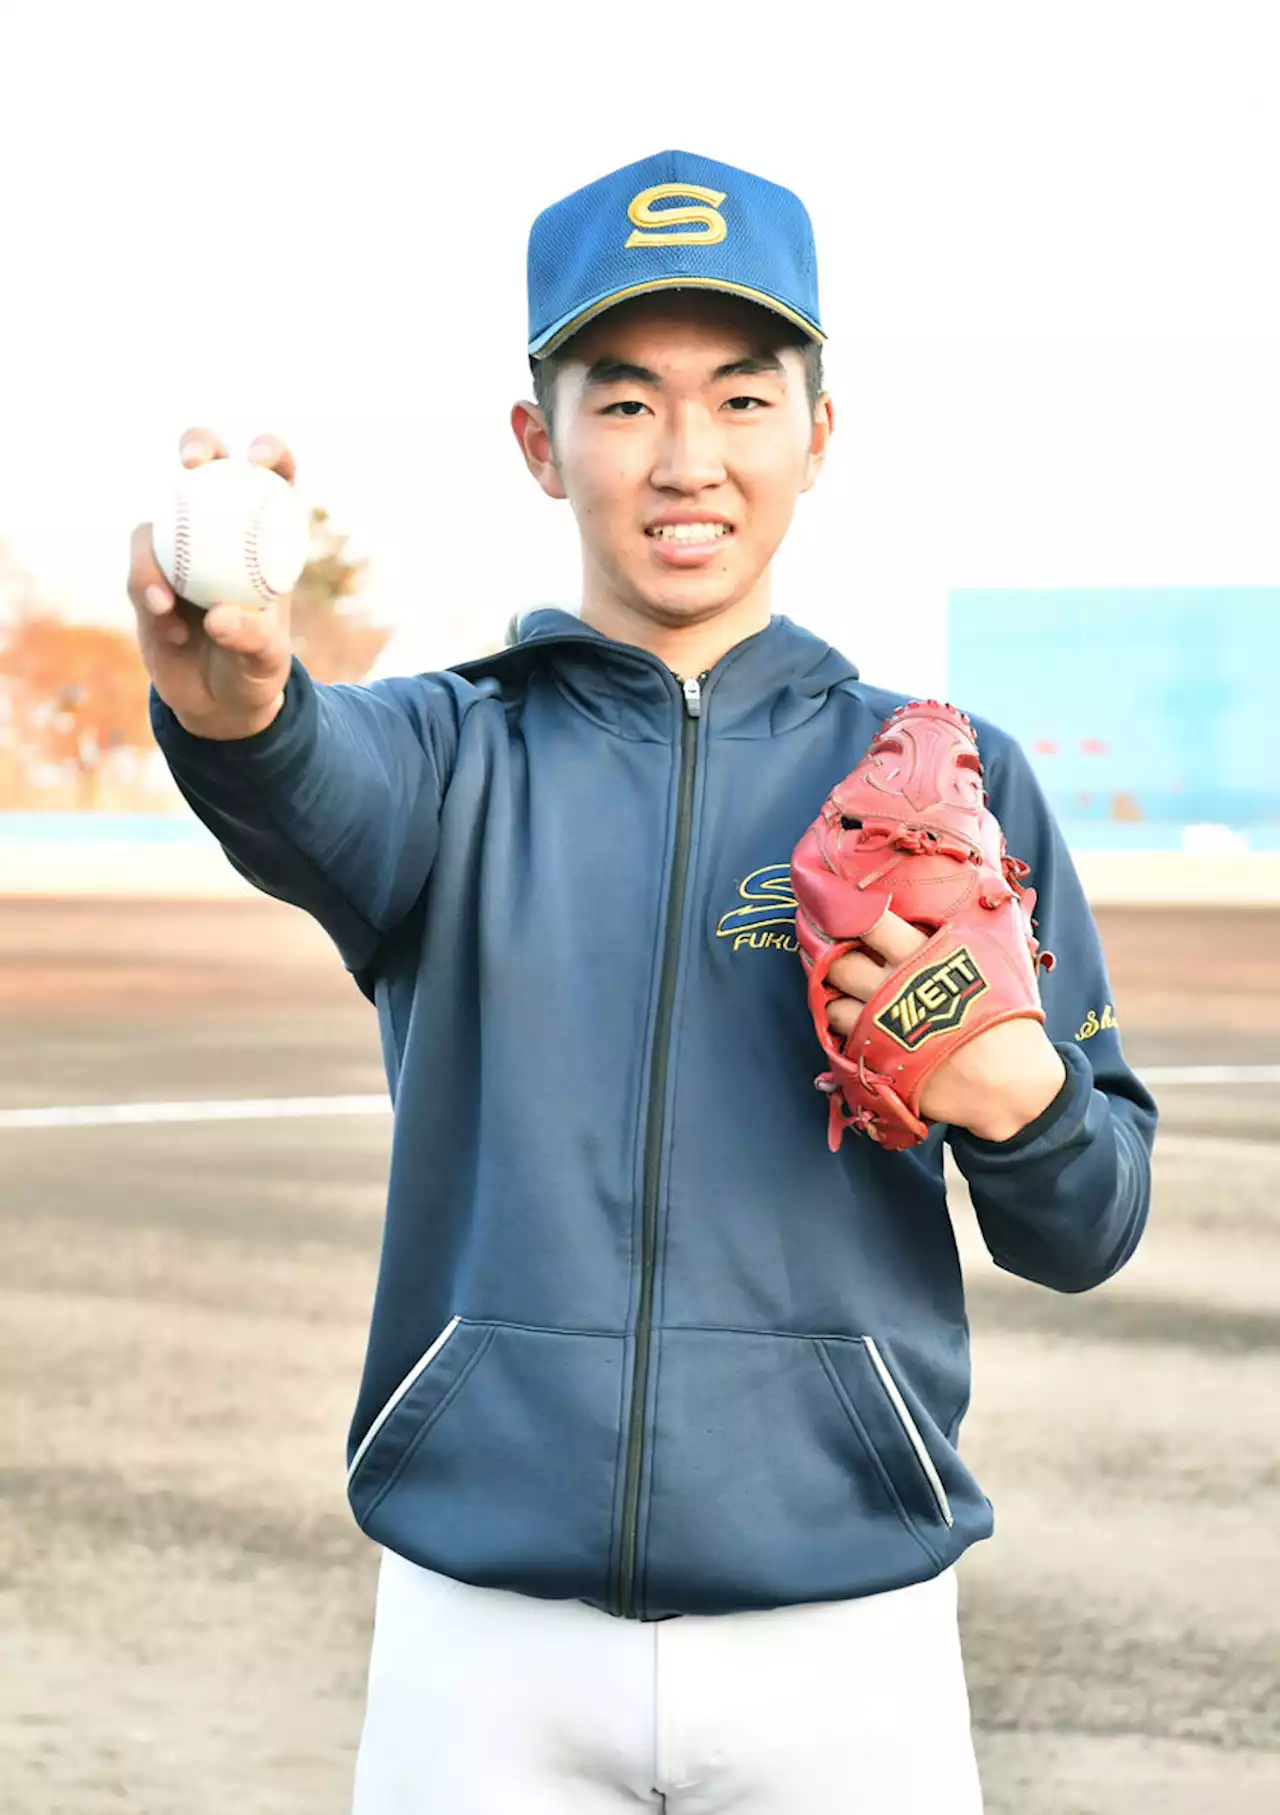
(1065, 1201)
(335, 806)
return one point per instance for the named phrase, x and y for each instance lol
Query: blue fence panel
(1142, 711)
(102, 828)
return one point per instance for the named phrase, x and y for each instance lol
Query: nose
(690, 457)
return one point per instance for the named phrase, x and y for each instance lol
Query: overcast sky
(1047, 246)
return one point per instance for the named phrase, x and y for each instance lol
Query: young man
(659, 1417)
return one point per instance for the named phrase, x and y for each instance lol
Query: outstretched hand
(222, 672)
(995, 1084)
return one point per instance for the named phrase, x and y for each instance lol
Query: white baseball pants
(483, 1702)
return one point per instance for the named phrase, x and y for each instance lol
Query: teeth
(690, 532)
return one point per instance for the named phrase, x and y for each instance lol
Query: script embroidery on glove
(1095, 1023)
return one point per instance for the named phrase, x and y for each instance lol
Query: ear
(535, 444)
(824, 425)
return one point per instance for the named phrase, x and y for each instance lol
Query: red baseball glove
(910, 829)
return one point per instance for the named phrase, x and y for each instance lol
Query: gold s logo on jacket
(766, 910)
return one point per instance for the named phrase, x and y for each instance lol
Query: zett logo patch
(934, 1001)
(711, 223)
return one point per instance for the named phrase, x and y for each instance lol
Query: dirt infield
(184, 1601)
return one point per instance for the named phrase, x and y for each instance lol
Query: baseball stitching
(252, 562)
(181, 543)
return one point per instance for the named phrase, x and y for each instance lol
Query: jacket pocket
(785, 1469)
(494, 1459)
(903, 1416)
(405, 1387)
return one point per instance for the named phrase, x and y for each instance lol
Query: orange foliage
(69, 695)
(74, 697)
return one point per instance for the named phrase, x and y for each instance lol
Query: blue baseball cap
(671, 222)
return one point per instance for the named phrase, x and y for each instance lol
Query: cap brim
(556, 335)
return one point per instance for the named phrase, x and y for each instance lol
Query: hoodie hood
(770, 682)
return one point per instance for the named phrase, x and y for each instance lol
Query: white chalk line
(273, 1109)
(1211, 1074)
(246, 1109)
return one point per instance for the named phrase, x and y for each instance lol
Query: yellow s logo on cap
(641, 214)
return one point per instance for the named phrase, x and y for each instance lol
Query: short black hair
(545, 371)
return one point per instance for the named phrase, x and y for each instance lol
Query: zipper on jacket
(911, 1429)
(654, 1124)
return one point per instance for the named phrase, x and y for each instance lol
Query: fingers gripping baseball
(253, 636)
(210, 581)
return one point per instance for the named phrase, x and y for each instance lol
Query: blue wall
(1142, 711)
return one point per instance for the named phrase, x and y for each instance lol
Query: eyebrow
(620, 371)
(753, 364)
(608, 370)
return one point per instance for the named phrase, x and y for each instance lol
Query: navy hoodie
(639, 1338)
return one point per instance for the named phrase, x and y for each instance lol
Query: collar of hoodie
(765, 685)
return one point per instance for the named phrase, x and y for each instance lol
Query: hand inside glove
(994, 1084)
(915, 928)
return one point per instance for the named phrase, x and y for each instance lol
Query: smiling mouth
(689, 532)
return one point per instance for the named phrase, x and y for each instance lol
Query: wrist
(226, 728)
(1020, 1106)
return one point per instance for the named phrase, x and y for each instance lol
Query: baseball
(231, 533)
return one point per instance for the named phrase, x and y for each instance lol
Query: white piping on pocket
(910, 1428)
(418, 1368)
